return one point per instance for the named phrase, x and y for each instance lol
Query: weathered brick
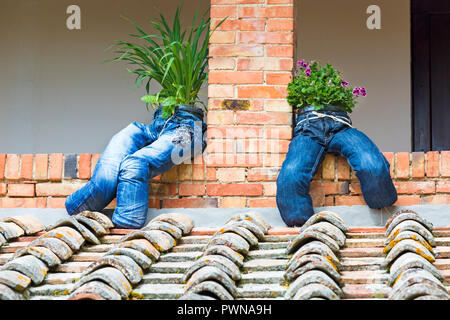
(415, 187)
(233, 132)
(280, 51)
(418, 165)
(190, 203)
(95, 158)
(266, 12)
(23, 202)
(233, 202)
(331, 187)
(278, 78)
(12, 167)
(56, 189)
(41, 167)
(26, 167)
(55, 166)
(443, 186)
(266, 37)
(20, 190)
(280, 25)
(84, 166)
(262, 174)
(409, 200)
(3, 189)
(277, 106)
(240, 24)
(221, 63)
(343, 169)
(221, 146)
(274, 160)
(329, 167)
(231, 174)
(432, 164)
(234, 189)
(56, 203)
(355, 188)
(184, 172)
(163, 189)
(390, 157)
(264, 64)
(445, 164)
(198, 172)
(232, 50)
(2, 165)
(191, 189)
(223, 37)
(236, 77)
(262, 203)
(232, 160)
(223, 12)
(282, 132)
(220, 117)
(436, 199)
(265, 92)
(244, 117)
(402, 165)
(170, 175)
(220, 91)
(349, 200)
(270, 189)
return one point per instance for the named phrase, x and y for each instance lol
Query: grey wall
(335, 31)
(55, 93)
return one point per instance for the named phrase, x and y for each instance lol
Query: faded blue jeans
(313, 138)
(133, 156)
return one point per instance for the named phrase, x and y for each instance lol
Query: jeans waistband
(324, 109)
(196, 112)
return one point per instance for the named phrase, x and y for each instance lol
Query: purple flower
(356, 91)
(363, 91)
(301, 62)
(308, 72)
(344, 84)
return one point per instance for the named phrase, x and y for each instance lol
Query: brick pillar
(249, 120)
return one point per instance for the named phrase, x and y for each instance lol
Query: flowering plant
(318, 86)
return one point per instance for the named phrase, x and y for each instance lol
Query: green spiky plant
(174, 57)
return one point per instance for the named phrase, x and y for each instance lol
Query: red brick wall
(249, 130)
(44, 181)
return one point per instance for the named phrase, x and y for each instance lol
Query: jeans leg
(135, 173)
(294, 180)
(101, 188)
(369, 164)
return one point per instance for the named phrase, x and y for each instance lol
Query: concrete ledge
(354, 216)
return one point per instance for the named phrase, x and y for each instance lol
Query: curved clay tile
(69, 235)
(408, 216)
(217, 261)
(315, 290)
(72, 222)
(307, 236)
(249, 225)
(125, 264)
(179, 220)
(421, 289)
(231, 240)
(407, 245)
(297, 263)
(211, 288)
(94, 290)
(327, 216)
(396, 214)
(411, 260)
(317, 247)
(213, 274)
(330, 230)
(323, 266)
(110, 276)
(57, 246)
(30, 266)
(403, 235)
(15, 280)
(29, 224)
(411, 225)
(43, 253)
(312, 276)
(174, 231)
(141, 259)
(142, 245)
(6, 293)
(11, 230)
(161, 240)
(415, 279)
(195, 296)
(95, 226)
(99, 217)
(235, 257)
(241, 231)
(254, 217)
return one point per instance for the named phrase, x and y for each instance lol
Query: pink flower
(308, 72)
(363, 91)
(356, 91)
(344, 84)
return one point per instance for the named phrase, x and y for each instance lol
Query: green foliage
(317, 86)
(174, 57)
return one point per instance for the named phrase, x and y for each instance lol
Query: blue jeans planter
(133, 156)
(313, 138)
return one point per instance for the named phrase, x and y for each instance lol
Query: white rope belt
(322, 115)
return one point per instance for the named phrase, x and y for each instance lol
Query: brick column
(249, 120)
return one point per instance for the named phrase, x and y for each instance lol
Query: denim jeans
(133, 156)
(313, 138)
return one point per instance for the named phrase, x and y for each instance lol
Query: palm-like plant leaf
(174, 57)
